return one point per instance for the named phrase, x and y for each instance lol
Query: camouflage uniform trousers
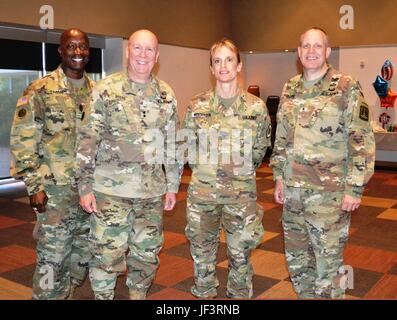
(121, 225)
(62, 244)
(315, 234)
(243, 227)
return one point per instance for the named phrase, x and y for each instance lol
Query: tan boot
(71, 292)
(137, 295)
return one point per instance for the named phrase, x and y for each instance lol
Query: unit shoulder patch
(22, 101)
(364, 112)
(22, 113)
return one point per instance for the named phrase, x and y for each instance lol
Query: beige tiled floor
(282, 290)
(269, 264)
(389, 214)
(378, 202)
(375, 266)
(6, 222)
(14, 257)
(10, 290)
(385, 288)
(370, 258)
(179, 268)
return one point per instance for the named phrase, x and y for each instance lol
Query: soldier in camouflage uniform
(322, 159)
(43, 140)
(222, 191)
(118, 182)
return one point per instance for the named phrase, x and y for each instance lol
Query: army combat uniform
(324, 150)
(43, 140)
(124, 122)
(222, 190)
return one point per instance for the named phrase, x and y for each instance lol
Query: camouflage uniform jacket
(125, 120)
(225, 173)
(43, 133)
(324, 138)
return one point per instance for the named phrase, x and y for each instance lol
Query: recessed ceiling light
(250, 51)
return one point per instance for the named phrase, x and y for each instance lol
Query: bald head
(144, 34)
(320, 31)
(142, 53)
(71, 33)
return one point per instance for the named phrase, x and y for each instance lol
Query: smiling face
(74, 50)
(225, 65)
(142, 54)
(314, 51)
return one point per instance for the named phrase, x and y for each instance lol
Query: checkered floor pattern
(371, 250)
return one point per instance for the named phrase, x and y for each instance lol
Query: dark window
(20, 55)
(53, 59)
(20, 63)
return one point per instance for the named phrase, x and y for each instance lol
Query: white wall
(271, 70)
(373, 59)
(186, 70)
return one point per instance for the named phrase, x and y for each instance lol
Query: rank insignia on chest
(331, 93)
(64, 90)
(200, 114)
(364, 112)
(164, 98)
(245, 117)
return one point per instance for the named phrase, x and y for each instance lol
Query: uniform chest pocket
(59, 113)
(247, 131)
(119, 120)
(308, 114)
(330, 110)
(313, 112)
(202, 119)
(329, 121)
(153, 116)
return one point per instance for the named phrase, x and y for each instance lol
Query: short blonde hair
(225, 43)
(326, 38)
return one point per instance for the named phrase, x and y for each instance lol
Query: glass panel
(95, 76)
(12, 85)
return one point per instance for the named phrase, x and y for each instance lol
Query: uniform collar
(215, 101)
(320, 85)
(131, 87)
(63, 79)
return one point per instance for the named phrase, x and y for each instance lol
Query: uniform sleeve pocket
(359, 169)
